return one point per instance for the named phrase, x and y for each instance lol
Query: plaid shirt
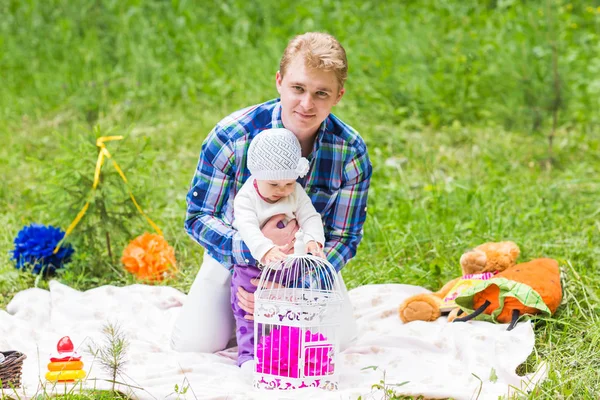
(337, 184)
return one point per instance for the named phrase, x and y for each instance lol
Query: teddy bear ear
(465, 258)
(514, 250)
(473, 261)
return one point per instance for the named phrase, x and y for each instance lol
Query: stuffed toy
(481, 263)
(524, 289)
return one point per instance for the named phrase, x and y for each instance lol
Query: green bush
(111, 220)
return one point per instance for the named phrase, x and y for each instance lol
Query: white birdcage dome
(297, 315)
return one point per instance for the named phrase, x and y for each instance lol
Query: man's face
(307, 96)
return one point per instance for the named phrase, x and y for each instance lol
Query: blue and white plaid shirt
(337, 183)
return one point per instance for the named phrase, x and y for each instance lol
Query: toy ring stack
(66, 366)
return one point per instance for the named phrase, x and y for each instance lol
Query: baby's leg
(244, 327)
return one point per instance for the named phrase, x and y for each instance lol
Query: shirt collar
(276, 121)
(326, 126)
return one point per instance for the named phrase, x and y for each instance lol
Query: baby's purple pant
(242, 274)
(244, 332)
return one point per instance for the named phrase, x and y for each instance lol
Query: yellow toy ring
(65, 365)
(65, 375)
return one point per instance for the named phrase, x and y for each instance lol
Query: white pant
(206, 324)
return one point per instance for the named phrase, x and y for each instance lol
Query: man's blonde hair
(320, 51)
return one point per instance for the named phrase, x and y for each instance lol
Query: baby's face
(275, 190)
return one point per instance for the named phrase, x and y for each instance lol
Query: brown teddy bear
(480, 263)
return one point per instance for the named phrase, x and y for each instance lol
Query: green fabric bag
(522, 292)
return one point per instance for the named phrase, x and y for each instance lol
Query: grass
(454, 100)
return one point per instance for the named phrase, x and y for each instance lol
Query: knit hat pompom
(275, 154)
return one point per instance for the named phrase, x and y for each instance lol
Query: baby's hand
(275, 254)
(314, 248)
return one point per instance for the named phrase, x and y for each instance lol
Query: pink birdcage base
(271, 382)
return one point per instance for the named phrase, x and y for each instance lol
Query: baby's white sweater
(251, 212)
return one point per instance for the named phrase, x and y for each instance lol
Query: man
(310, 82)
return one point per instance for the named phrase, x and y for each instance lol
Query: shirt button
(195, 193)
(247, 260)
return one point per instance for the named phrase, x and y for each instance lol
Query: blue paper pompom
(34, 246)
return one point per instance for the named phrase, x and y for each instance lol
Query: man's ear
(278, 80)
(340, 95)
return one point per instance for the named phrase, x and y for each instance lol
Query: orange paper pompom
(149, 257)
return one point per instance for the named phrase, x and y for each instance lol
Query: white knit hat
(275, 154)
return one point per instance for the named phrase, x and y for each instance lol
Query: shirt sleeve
(206, 199)
(308, 218)
(344, 223)
(247, 223)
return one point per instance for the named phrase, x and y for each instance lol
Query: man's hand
(281, 236)
(246, 300)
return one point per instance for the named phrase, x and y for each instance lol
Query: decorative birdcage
(297, 312)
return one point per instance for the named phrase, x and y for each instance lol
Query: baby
(275, 162)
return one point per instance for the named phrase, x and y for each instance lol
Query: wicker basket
(10, 369)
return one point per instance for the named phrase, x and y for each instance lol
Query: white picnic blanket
(437, 359)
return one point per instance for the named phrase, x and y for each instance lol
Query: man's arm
(206, 200)
(344, 223)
